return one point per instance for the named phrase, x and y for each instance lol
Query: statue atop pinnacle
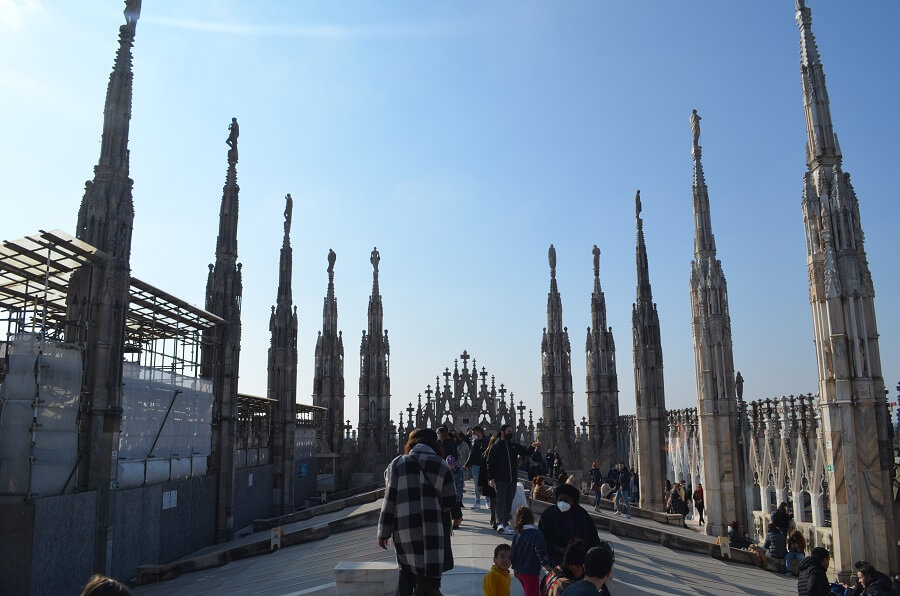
(695, 128)
(231, 141)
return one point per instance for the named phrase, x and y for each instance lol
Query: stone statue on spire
(332, 257)
(132, 11)
(695, 128)
(288, 210)
(375, 259)
(637, 204)
(596, 252)
(551, 256)
(231, 141)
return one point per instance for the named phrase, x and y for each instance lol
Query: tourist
(667, 491)
(484, 484)
(596, 477)
(566, 573)
(781, 519)
(565, 521)
(477, 444)
(681, 506)
(775, 544)
(448, 443)
(529, 552)
(871, 581)
(598, 569)
(813, 581)
(497, 581)
(458, 483)
(419, 493)
(100, 585)
(796, 546)
(536, 464)
(558, 468)
(623, 489)
(501, 474)
(540, 490)
(698, 501)
(735, 540)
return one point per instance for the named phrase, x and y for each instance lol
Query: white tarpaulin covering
(185, 438)
(56, 437)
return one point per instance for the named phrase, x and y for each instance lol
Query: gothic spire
(286, 262)
(226, 244)
(117, 111)
(704, 241)
(554, 303)
(644, 294)
(821, 144)
(376, 313)
(106, 214)
(329, 310)
(598, 301)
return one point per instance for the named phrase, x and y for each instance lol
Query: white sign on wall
(169, 499)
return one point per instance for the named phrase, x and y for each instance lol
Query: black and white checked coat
(419, 491)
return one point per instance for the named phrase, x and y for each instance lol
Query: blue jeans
(597, 498)
(476, 470)
(626, 496)
(789, 561)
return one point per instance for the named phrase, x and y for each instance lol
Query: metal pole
(161, 426)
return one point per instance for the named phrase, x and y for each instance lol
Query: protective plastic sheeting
(56, 436)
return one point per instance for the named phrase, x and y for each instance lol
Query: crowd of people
(423, 505)
(561, 552)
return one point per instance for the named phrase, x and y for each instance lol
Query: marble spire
(855, 421)
(556, 376)
(220, 357)
(717, 402)
(648, 381)
(98, 297)
(328, 377)
(283, 376)
(602, 380)
(375, 434)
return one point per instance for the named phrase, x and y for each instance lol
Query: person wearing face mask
(565, 521)
(501, 473)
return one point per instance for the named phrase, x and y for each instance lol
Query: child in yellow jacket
(496, 581)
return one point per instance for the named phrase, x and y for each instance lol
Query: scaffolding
(167, 408)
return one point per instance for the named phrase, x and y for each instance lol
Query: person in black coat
(502, 473)
(812, 580)
(565, 521)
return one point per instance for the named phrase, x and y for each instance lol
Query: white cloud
(309, 31)
(13, 13)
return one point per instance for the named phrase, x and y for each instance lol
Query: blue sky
(462, 139)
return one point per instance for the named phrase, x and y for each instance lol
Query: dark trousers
(506, 491)
(416, 585)
(700, 511)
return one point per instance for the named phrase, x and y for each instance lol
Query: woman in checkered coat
(419, 493)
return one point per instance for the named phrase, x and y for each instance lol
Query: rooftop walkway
(666, 565)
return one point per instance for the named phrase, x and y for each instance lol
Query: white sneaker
(618, 513)
(476, 506)
(508, 531)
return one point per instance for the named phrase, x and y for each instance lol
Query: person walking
(796, 545)
(566, 521)
(487, 490)
(529, 552)
(623, 489)
(458, 483)
(698, 501)
(415, 514)
(502, 474)
(477, 444)
(596, 476)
